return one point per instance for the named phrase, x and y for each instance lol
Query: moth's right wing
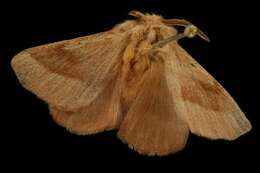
(70, 74)
(200, 100)
(151, 125)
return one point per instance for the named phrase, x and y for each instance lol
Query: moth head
(190, 29)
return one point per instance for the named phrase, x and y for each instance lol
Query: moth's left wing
(70, 74)
(200, 100)
(104, 113)
(151, 125)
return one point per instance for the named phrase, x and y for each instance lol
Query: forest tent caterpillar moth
(135, 78)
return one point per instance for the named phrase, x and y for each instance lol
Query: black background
(30, 136)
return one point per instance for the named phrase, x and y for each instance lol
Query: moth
(135, 78)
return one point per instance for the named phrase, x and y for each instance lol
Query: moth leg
(190, 32)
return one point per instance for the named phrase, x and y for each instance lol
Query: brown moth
(135, 78)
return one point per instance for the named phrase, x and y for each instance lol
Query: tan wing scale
(104, 113)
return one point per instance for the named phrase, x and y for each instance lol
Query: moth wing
(70, 74)
(200, 100)
(104, 113)
(151, 126)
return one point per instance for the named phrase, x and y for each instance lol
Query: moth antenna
(190, 31)
(136, 14)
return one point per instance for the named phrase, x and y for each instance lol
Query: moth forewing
(151, 125)
(71, 74)
(201, 101)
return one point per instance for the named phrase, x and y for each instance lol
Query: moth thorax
(151, 36)
(152, 19)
